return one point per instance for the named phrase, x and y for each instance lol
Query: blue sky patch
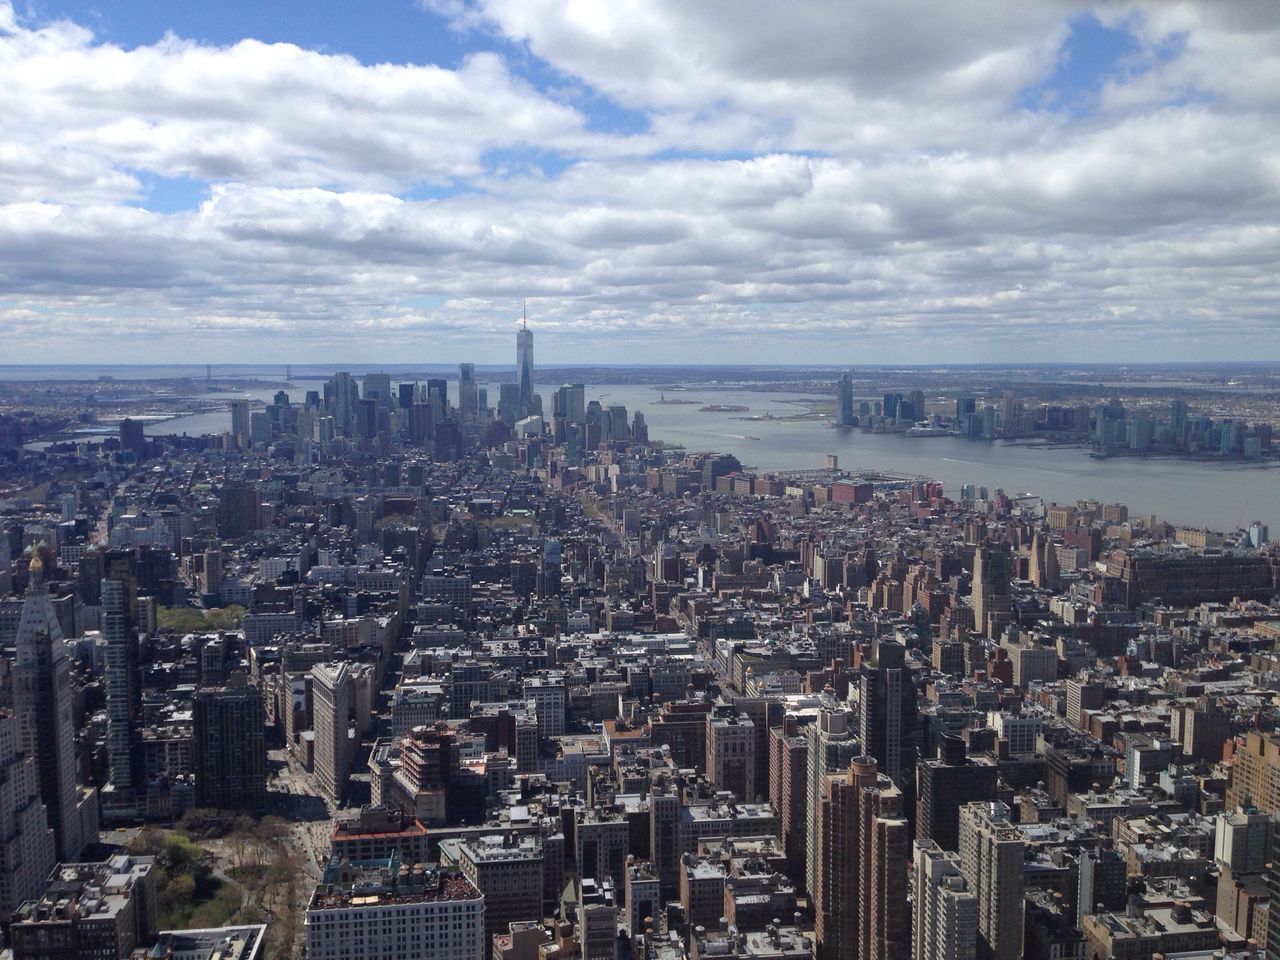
(170, 194)
(1092, 54)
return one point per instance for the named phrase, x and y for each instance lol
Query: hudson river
(1222, 496)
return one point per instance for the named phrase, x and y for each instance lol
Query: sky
(880, 181)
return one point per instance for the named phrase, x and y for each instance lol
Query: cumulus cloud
(846, 181)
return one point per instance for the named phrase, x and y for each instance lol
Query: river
(1219, 495)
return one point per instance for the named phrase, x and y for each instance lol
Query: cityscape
(639, 480)
(425, 667)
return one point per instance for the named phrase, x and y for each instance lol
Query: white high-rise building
(27, 850)
(945, 920)
(991, 854)
(43, 702)
(331, 692)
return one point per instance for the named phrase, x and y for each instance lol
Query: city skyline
(870, 185)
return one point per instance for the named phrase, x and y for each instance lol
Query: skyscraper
(377, 387)
(331, 712)
(42, 701)
(945, 920)
(1008, 415)
(887, 720)
(991, 576)
(991, 854)
(240, 424)
(570, 403)
(120, 642)
(944, 784)
(133, 438)
(844, 401)
(468, 393)
(510, 403)
(884, 847)
(345, 394)
(524, 367)
(440, 388)
(27, 851)
(229, 752)
(860, 896)
(831, 747)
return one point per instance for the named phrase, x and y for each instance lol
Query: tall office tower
(844, 401)
(365, 420)
(239, 508)
(42, 700)
(1044, 571)
(119, 676)
(468, 393)
(1008, 415)
(228, 746)
(510, 404)
(945, 910)
(888, 715)
(731, 752)
(991, 854)
(422, 423)
(551, 572)
(570, 403)
(133, 438)
(965, 407)
(990, 600)
(1178, 417)
(240, 423)
(946, 783)
(211, 579)
(345, 395)
(524, 368)
(917, 403)
(377, 387)
(331, 692)
(884, 847)
(260, 428)
(441, 389)
(406, 395)
(27, 848)
(831, 746)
